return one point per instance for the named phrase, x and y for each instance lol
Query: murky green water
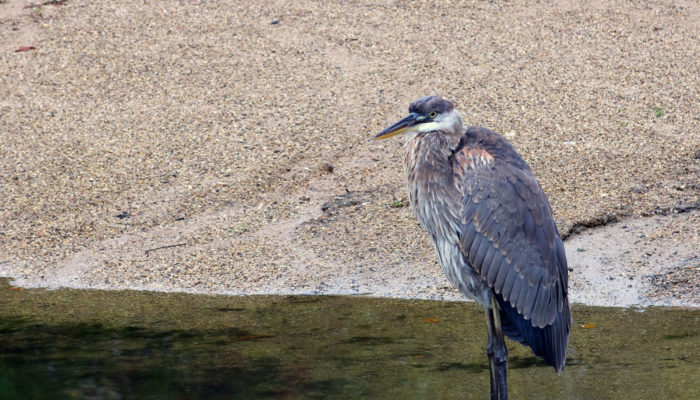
(72, 344)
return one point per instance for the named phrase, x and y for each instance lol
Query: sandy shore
(222, 148)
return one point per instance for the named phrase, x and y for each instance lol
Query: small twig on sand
(46, 3)
(165, 247)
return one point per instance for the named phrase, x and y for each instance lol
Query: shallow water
(73, 344)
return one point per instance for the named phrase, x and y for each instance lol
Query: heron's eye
(433, 114)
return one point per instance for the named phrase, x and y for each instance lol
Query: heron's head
(427, 114)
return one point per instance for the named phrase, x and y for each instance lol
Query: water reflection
(110, 345)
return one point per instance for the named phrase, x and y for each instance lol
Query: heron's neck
(454, 119)
(453, 128)
(428, 169)
(428, 154)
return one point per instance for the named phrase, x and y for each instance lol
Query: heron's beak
(403, 126)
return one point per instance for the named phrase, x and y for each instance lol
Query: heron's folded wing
(508, 234)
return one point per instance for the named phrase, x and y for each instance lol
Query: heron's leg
(500, 351)
(489, 353)
(497, 353)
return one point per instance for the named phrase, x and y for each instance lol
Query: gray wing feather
(515, 287)
(492, 254)
(499, 282)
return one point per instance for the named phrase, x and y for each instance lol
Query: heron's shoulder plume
(470, 158)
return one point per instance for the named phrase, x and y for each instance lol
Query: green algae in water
(72, 344)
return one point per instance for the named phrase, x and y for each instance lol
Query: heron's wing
(508, 234)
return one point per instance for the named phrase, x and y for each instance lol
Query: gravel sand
(222, 147)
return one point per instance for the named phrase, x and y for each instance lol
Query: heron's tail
(549, 342)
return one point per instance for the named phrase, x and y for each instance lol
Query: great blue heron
(493, 231)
